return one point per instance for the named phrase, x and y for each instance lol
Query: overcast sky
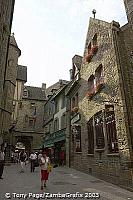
(50, 32)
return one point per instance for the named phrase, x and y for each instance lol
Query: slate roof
(35, 93)
(56, 86)
(22, 73)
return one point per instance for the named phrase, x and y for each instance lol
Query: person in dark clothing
(2, 159)
(22, 158)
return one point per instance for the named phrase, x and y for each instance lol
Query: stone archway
(27, 142)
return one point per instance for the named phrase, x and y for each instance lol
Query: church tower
(129, 10)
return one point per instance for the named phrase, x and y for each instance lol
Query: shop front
(54, 144)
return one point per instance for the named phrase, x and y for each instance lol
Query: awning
(50, 139)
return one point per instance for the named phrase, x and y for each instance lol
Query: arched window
(94, 40)
(99, 76)
(91, 84)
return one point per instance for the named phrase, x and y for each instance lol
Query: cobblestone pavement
(62, 180)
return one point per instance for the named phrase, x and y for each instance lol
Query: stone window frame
(108, 136)
(96, 82)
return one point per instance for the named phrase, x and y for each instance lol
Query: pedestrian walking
(44, 162)
(22, 158)
(12, 157)
(39, 156)
(2, 161)
(33, 160)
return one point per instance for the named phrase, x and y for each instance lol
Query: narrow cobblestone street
(62, 180)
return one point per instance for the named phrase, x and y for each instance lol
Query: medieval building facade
(28, 128)
(6, 15)
(55, 121)
(101, 139)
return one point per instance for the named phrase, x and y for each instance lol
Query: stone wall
(22, 127)
(112, 167)
(6, 14)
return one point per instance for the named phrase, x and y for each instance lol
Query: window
(63, 121)
(91, 86)
(90, 137)
(73, 102)
(94, 40)
(32, 105)
(99, 77)
(98, 118)
(63, 101)
(111, 129)
(26, 118)
(56, 125)
(20, 104)
(31, 122)
(25, 92)
(78, 139)
(56, 106)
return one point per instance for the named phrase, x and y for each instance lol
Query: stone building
(101, 135)
(6, 15)
(9, 88)
(129, 11)
(28, 129)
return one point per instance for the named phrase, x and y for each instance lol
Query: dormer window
(25, 92)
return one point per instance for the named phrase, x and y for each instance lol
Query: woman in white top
(44, 161)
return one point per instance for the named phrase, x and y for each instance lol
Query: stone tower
(9, 86)
(129, 10)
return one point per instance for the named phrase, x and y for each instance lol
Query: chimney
(60, 82)
(71, 74)
(44, 86)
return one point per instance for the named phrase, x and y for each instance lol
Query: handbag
(49, 168)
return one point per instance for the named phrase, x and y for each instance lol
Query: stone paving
(62, 180)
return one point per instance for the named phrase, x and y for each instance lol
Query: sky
(50, 32)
